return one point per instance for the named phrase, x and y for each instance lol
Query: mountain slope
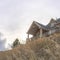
(47, 48)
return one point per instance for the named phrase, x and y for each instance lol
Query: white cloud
(17, 15)
(2, 42)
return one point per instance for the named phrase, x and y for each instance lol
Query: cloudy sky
(16, 16)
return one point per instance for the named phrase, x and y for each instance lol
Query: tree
(15, 43)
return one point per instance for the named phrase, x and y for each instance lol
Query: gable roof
(58, 19)
(51, 21)
(41, 26)
(35, 26)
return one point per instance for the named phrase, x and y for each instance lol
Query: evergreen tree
(15, 43)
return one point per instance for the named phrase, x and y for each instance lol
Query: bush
(15, 43)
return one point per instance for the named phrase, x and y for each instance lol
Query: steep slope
(47, 48)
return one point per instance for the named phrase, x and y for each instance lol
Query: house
(39, 30)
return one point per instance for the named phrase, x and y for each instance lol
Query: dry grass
(40, 49)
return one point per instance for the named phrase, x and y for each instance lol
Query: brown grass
(41, 49)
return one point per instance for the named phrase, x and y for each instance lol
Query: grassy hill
(47, 48)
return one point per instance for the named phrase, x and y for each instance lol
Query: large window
(52, 24)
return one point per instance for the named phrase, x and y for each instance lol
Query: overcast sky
(16, 16)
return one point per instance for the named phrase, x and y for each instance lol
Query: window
(52, 24)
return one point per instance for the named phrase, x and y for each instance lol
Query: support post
(40, 33)
(28, 36)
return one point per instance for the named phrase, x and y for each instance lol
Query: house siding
(51, 31)
(52, 27)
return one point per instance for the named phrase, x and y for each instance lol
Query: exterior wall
(45, 34)
(58, 25)
(51, 31)
(52, 23)
(37, 35)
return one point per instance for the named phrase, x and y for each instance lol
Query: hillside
(47, 48)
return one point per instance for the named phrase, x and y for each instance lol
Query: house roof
(51, 21)
(58, 20)
(41, 26)
(35, 26)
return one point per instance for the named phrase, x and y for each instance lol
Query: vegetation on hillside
(15, 43)
(46, 48)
